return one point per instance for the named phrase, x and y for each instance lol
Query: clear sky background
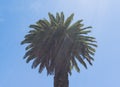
(17, 15)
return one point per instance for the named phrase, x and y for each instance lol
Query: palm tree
(58, 45)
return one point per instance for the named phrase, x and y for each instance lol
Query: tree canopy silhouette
(57, 45)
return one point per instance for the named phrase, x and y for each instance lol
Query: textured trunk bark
(61, 79)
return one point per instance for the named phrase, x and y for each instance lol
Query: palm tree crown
(57, 44)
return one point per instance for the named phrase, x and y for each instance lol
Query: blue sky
(17, 15)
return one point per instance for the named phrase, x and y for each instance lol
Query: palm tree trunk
(61, 79)
(62, 65)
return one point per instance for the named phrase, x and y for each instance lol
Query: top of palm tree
(56, 41)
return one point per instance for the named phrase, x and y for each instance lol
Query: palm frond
(68, 21)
